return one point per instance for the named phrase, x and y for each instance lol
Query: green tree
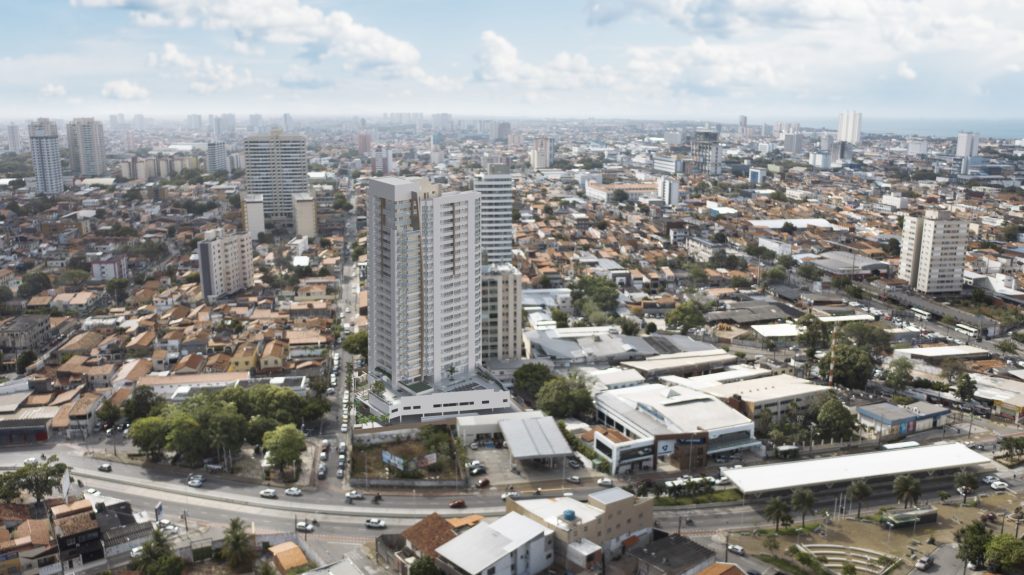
(849, 569)
(237, 549)
(157, 557)
(265, 568)
(951, 369)
(786, 261)
(808, 272)
(108, 413)
(357, 343)
(802, 500)
(965, 390)
(602, 292)
(10, 486)
(858, 491)
(853, 366)
(776, 510)
(868, 335)
(258, 426)
(6, 294)
(1004, 553)
(566, 396)
(25, 359)
(117, 288)
(835, 421)
(72, 277)
(907, 489)
(966, 482)
(185, 436)
(560, 318)
(33, 283)
(530, 378)
(41, 477)
(686, 316)
(900, 374)
(149, 435)
(285, 445)
(142, 403)
(424, 565)
(1006, 347)
(771, 543)
(972, 541)
(814, 334)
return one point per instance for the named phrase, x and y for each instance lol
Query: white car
(988, 479)
(354, 495)
(999, 485)
(733, 548)
(92, 491)
(375, 523)
(195, 482)
(293, 492)
(304, 527)
(135, 552)
(268, 493)
(573, 479)
(344, 428)
(604, 482)
(510, 495)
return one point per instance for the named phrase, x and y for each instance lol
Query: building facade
(216, 157)
(849, 127)
(424, 283)
(225, 263)
(495, 188)
(706, 152)
(43, 141)
(252, 215)
(86, 147)
(277, 169)
(932, 254)
(543, 153)
(502, 306)
(305, 215)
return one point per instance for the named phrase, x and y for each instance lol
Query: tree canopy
(530, 378)
(685, 316)
(566, 396)
(836, 422)
(853, 366)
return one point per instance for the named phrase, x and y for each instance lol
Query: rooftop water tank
(569, 515)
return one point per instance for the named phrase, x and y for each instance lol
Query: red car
(481, 483)
(456, 504)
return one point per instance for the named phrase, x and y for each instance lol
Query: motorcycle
(689, 521)
(377, 498)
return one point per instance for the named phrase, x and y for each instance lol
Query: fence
(409, 483)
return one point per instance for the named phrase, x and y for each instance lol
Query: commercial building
(253, 215)
(706, 152)
(502, 312)
(776, 394)
(849, 127)
(225, 263)
(428, 405)
(932, 252)
(277, 169)
(608, 522)
(510, 545)
(43, 141)
(534, 440)
(886, 420)
(304, 211)
(86, 147)
(216, 157)
(648, 422)
(424, 284)
(677, 555)
(685, 363)
(495, 188)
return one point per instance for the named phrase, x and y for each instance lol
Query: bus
(900, 445)
(966, 330)
(921, 314)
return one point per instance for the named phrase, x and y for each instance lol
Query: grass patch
(724, 496)
(367, 460)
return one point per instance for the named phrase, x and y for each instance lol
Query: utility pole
(832, 357)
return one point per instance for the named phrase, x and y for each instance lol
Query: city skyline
(693, 60)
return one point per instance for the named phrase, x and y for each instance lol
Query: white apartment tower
(225, 263)
(216, 157)
(43, 141)
(543, 153)
(849, 127)
(495, 189)
(932, 253)
(423, 280)
(13, 138)
(305, 215)
(966, 145)
(668, 190)
(252, 215)
(277, 169)
(86, 147)
(502, 305)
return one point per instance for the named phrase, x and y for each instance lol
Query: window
(490, 571)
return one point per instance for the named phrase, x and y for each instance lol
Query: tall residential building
(216, 157)
(543, 153)
(225, 263)
(13, 138)
(966, 145)
(706, 154)
(423, 281)
(287, 122)
(305, 215)
(86, 147)
(932, 252)
(793, 143)
(194, 123)
(849, 127)
(502, 307)
(495, 189)
(668, 190)
(364, 143)
(277, 169)
(252, 215)
(255, 123)
(43, 141)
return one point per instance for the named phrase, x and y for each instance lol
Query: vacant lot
(367, 460)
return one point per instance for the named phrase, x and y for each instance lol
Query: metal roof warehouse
(829, 471)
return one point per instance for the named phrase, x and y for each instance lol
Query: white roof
(550, 509)
(844, 468)
(730, 374)
(941, 351)
(767, 389)
(842, 318)
(798, 223)
(777, 329)
(534, 438)
(486, 543)
(659, 409)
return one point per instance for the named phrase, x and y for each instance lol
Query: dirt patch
(368, 460)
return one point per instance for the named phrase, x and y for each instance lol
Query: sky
(659, 59)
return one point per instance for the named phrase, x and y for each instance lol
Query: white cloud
(246, 49)
(903, 70)
(53, 90)
(204, 74)
(325, 35)
(499, 62)
(124, 90)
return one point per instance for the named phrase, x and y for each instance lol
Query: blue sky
(672, 59)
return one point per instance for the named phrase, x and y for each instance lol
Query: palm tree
(907, 489)
(237, 548)
(803, 501)
(858, 491)
(776, 510)
(965, 482)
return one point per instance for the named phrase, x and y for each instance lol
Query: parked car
(988, 479)
(354, 494)
(737, 549)
(341, 473)
(375, 523)
(304, 527)
(293, 492)
(481, 483)
(321, 471)
(575, 464)
(923, 563)
(478, 470)
(268, 493)
(457, 503)
(135, 552)
(605, 482)
(105, 467)
(999, 485)
(573, 479)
